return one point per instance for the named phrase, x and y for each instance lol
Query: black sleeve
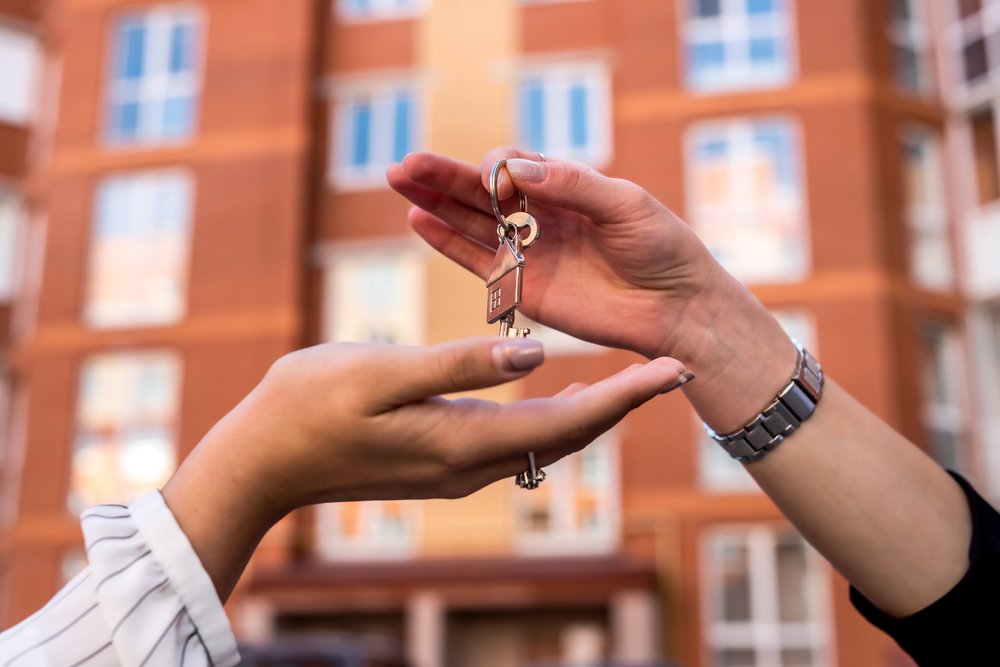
(963, 626)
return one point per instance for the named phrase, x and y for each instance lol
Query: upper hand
(613, 265)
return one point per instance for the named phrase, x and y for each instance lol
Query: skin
(343, 422)
(884, 514)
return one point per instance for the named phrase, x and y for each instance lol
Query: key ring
(504, 228)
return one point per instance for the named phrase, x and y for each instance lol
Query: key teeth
(525, 481)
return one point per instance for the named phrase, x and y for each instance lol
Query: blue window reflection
(533, 115)
(131, 50)
(361, 121)
(761, 6)
(763, 50)
(402, 142)
(578, 116)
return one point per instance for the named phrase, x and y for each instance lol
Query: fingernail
(518, 355)
(526, 170)
(684, 378)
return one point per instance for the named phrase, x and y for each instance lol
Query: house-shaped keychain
(503, 285)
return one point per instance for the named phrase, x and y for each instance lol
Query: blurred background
(189, 189)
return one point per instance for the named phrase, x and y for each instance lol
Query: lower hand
(360, 422)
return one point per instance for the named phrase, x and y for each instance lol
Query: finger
(421, 372)
(505, 188)
(443, 174)
(572, 390)
(470, 221)
(580, 188)
(462, 250)
(575, 421)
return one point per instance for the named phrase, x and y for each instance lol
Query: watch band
(794, 404)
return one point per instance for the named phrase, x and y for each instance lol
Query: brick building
(190, 188)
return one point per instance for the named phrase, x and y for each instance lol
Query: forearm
(218, 498)
(886, 516)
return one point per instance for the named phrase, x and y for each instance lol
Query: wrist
(739, 353)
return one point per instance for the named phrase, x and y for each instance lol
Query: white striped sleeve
(144, 601)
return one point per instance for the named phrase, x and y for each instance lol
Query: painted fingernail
(526, 170)
(682, 380)
(518, 355)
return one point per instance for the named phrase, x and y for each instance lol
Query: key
(503, 286)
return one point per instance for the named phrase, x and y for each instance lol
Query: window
(745, 197)
(155, 77)
(140, 244)
(375, 529)
(577, 509)
(926, 211)
(719, 472)
(984, 154)
(20, 70)
(737, 44)
(377, 9)
(943, 396)
(10, 227)
(375, 295)
(971, 40)
(911, 42)
(126, 423)
(376, 125)
(564, 111)
(765, 596)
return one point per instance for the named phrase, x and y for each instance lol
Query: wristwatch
(794, 404)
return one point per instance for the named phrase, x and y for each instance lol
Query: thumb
(577, 187)
(462, 365)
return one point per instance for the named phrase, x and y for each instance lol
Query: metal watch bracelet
(794, 404)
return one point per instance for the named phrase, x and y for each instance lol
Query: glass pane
(735, 657)
(907, 68)
(984, 142)
(578, 117)
(798, 657)
(967, 8)
(705, 8)
(901, 10)
(402, 141)
(793, 582)
(731, 559)
(125, 121)
(974, 60)
(761, 6)
(178, 117)
(131, 50)
(182, 48)
(763, 50)
(361, 119)
(706, 56)
(533, 115)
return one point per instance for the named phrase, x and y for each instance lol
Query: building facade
(188, 189)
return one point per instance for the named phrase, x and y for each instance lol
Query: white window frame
(382, 10)
(948, 416)
(557, 77)
(127, 315)
(157, 84)
(914, 35)
(734, 25)
(563, 538)
(738, 133)
(929, 221)
(764, 633)
(382, 94)
(331, 545)
(339, 259)
(23, 46)
(137, 357)
(984, 335)
(12, 224)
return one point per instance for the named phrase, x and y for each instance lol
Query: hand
(360, 422)
(613, 265)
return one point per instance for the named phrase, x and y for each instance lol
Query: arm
(329, 423)
(887, 517)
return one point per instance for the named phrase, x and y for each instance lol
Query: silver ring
(541, 156)
(495, 198)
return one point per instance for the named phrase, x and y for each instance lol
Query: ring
(495, 198)
(541, 156)
(532, 477)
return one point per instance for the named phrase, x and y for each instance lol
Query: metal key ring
(494, 197)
